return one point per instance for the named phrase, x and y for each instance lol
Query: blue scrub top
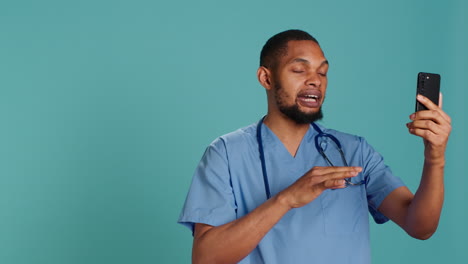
(334, 228)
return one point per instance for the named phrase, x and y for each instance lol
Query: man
(280, 191)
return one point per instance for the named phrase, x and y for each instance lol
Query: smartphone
(429, 86)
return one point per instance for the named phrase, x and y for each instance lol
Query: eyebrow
(301, 60)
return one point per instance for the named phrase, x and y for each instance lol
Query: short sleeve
(380, 180)
(210, 199)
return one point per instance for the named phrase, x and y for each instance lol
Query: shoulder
(239, 140)
(241, 136)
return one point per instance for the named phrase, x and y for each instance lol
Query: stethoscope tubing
(317, 146)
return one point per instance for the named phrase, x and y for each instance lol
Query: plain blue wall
(107, 106)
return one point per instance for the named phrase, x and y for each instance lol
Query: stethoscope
(317, 146)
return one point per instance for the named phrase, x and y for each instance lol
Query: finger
(335, 184)
(331, 169)
(435, 115)
(440, 100)
(429, 136)
(431, 106)
(429, 116)
(428, 125)
(426, 102)
(333, 176)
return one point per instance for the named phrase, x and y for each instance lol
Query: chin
(302, 117)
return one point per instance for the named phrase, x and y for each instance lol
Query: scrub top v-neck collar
(273, 152)
(273, 143)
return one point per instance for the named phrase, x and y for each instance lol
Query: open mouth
(310, 98)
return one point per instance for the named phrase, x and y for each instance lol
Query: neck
(288, 131)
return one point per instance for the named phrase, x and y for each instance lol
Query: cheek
(282, 97)
(284, 94)
(324, 83)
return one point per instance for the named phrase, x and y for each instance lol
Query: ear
(264, 77)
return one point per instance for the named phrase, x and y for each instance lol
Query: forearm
(233, 241)
(419, 214)
(425, 208)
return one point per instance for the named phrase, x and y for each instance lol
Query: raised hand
(434, 126)
(314, 182)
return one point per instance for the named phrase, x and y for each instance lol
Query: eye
(324, 74)
(297, 70)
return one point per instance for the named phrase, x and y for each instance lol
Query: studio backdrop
(106, 107)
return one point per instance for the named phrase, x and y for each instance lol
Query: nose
(313, 80)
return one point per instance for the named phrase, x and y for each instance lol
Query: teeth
(311, 98)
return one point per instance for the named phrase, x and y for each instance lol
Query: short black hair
(277, 46)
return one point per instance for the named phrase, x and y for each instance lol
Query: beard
(292, 111)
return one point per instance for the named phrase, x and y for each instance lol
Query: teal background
(107, 106)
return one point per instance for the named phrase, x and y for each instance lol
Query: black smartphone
(429, 86)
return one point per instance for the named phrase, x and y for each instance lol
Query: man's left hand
(434, 126)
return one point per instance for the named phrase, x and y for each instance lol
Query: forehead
(303, 50)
